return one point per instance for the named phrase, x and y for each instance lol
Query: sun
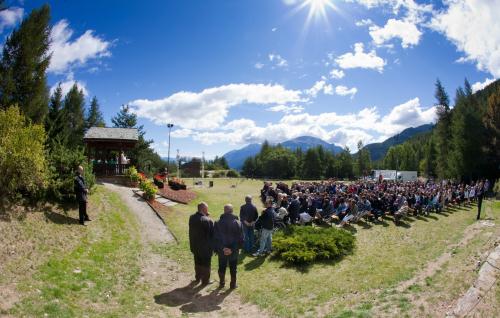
(317, 9)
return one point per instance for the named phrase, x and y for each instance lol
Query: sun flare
(317, 9)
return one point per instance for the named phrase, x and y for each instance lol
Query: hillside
(379, 149)
(235, 158)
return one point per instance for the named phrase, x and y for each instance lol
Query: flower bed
(180, 196)
(176, 184)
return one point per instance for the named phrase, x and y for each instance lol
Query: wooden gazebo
(101, 143)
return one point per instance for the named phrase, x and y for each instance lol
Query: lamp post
(397, 159)
(168, 154)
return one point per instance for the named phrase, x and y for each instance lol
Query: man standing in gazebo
(81, 195)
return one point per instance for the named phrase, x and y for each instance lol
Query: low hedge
(306, 244)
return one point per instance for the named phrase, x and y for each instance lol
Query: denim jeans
(249, 238)
(266, 238)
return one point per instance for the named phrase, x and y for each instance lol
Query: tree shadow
(191, 301)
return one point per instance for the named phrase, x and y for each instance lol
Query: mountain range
(236, 158)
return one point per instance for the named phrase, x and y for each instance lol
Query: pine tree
(312, 164)
(74, 105)
(94, 117)
(55, 120)
(126, 119)
(491, 120)
(25, 60)
(363, 160)
(443, 131)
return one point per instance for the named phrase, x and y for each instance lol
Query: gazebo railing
(110, 169)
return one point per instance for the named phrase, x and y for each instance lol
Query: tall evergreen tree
(74, 105)
(312, 164)
(25, 60)
(363, 160)
(345, 164)
(491, 120)
(56, 120)
(94, 117)
(443, 131)
(126, 119)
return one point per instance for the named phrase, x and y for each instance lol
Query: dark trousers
(479, 204)
(202, 268)
(224, 261)
(82, 211)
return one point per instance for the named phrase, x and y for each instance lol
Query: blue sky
(227, 73)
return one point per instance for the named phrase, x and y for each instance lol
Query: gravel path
(152, 228)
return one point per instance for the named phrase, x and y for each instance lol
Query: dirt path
(432, 267)
(168, 287)
(152, 228)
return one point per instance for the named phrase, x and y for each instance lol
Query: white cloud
(258, 65)
(286, 109)
(181, 133)
(277, 60)
(366, 125)
(208, 109)
(474, 27)
(274, 29)
(360, 59)
(67, 54)
(405, 30)
(480, 85)
(10, 17)
(320, 86)
(344, 91)
(337, 74)
(68, 83)
(364, 22)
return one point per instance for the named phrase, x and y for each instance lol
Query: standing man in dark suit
(294, 209)
(201, 232)
(248, 216)
(228, 238)
(81, 195)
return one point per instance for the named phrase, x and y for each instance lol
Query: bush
(496, 189)
(219, 174)
(306, 244)
(233, 174)
(149, 189)
(63, 163)
(23, 167)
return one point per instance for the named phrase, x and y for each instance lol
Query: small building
(107, 149)
(192, 168)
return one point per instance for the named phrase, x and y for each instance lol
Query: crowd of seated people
(343, 203)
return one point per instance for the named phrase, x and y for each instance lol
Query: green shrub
(306, 244)
(149, 189)
(63, 163)
(219, 174)
(133, 175)
(232, 174)
(23, 167)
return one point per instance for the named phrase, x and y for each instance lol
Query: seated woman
(352, 214)
(341, 210)
(326, 211)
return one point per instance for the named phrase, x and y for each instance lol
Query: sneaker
(256, 254)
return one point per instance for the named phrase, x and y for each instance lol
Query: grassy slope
(385, 255)
(97, 276)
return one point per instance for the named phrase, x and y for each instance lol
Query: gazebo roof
(111, 134)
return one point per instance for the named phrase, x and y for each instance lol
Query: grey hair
(228, 208)
(248, 197)
(201, 205)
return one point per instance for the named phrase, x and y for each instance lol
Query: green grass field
(55, 268)
(385, 256)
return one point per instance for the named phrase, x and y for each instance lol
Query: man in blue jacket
(228, 235)
(81, 195)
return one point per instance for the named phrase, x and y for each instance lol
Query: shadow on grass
(305, 268)
(255, 263)
(191, 301)
(58, 218)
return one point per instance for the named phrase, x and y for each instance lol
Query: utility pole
(203, 165)
(178, 165)
(168, 154)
